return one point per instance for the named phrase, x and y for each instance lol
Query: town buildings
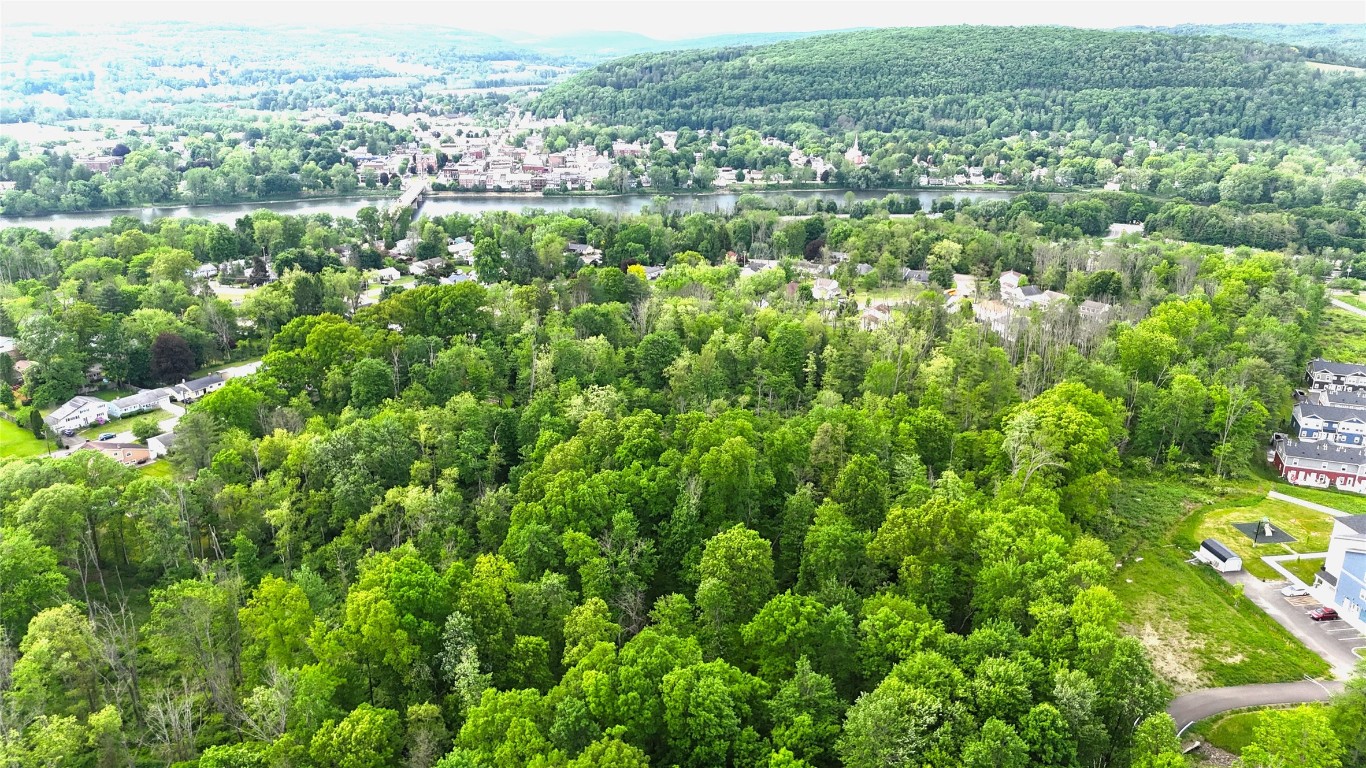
(1326, 444)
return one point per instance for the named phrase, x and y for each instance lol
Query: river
(474, 202)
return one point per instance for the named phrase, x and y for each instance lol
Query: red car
(1323, 614)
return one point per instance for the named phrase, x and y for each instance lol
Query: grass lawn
(1343, 335)
(1311, 530)
(1351, 503)
(17, 442)
(1231, 732)
(93, 431)
(159, 469)
(1347, 298)
(1304, 569)
(1196, 634)
(220, 365)
(108, 395)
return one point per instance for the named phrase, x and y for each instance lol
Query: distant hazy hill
(604, 45)
(968, 79)
(1330, 42)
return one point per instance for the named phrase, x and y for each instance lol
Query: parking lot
(1336, 641)
(1339, 632)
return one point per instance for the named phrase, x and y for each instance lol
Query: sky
(679, 19)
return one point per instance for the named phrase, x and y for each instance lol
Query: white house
(461, 250)
(161, 444)
(875, 317)
(387, 275)
(78, 413)
(206, 271)
(1094, 310)
(429, 265)
(824, 289)
(138, 402)
(186, 391)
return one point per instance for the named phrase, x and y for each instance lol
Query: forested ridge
(960, 80)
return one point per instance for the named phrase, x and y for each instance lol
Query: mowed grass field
(17, 442)
(1351, 503)
(1198, 631)
(1310, 528)
(159, 469)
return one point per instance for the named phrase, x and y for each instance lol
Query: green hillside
(963, 80)
(1337, 43)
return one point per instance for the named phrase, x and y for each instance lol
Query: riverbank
(442, 204)
(369, 194)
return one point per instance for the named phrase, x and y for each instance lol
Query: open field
(17, 442)
(1343, 335)
(1348, 298)
(1198, 631)
(1337, 69)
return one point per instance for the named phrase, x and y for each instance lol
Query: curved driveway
(1198, 705)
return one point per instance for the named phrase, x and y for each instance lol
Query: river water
(442, 205)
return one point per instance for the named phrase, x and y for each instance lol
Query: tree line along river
(474, 203)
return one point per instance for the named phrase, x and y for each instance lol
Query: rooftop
(203, 382)
(1355, 522)
(1329, 412)
(1341, 369)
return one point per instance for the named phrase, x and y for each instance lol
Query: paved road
(1198, 705)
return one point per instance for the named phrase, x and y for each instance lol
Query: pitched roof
(71, 406)
(1354, 400)
(139, 399)
(1217, 549)
(1340, 369)
(203, 382)
(109, 445)
(1321, 451)
(1329, 412)
(1355, 522)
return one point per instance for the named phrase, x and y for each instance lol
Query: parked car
(1323, 614)
(68, 433)
(107, 436)
(1294, 590)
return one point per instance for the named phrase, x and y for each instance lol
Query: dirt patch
(1234, 659)
(1169, 649)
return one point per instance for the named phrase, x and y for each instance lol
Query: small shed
(1220, 557)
